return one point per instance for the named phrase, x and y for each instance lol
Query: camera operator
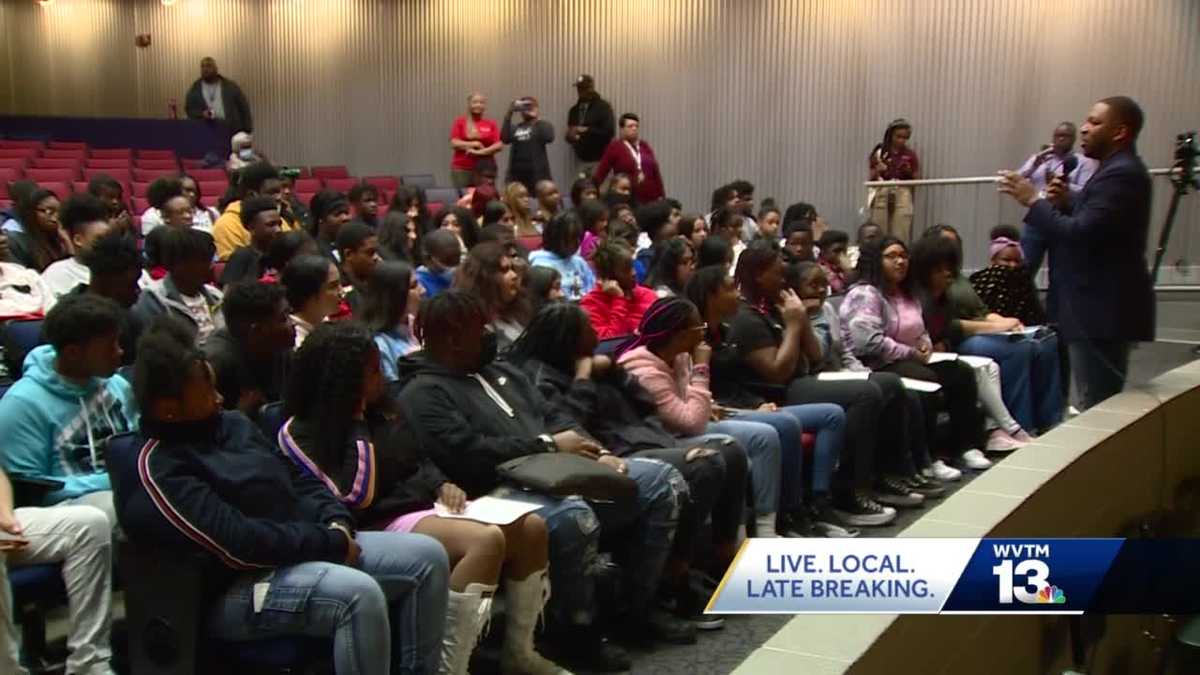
(527, 162)
(1101, 294)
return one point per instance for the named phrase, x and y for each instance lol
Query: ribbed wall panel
(790, 94)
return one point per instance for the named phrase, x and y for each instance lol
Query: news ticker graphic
(963, 576)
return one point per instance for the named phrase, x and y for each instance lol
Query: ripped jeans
(575, 524)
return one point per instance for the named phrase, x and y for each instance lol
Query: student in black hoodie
(250, 354)
(590, 126)
(611, 406)
(527, 141)
(471, 413)
(341, 431)
(209, 481)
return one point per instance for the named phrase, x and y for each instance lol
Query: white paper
(492, 510)
(938, 357)
(1028, 330)
(920, 385)
(844, 375)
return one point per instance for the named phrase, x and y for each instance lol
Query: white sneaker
(974, 460)
(941, 471)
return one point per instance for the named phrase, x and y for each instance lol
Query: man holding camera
(1101, 295)
(527, 141)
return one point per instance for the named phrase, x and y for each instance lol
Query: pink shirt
(489, 135)
(906, 324)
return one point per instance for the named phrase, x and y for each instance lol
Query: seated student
(807, 280)
(159, 193)
(693, 228)
(256, 180)
(726, 224)
(209, 480)
(610, 405)
(654, 219)
(883, 326)
(364, 203)
(777, 346)
(400, 231)
(115, 267)
(673, 268)
(463, 224)
(516, 198)
(767, 225)
(281, 251)
(187, 255)
(1006, 285)
(260, 216)
(393, 298)
(112, 195)
(343, 431)
(560, 241)
(251, 354)
(834, 261)
(490, 275)
(670, 360)
(84, 219)
(715, 251)
(807, 511)
(868, 233)
(616, 305)
(177, 212)
(593, 217)
(80, 539)
(358, 247)
(1010, 369)
(798, 242)
(583, 189)
(41, 239)
(409, 200)
(314, 292)
(504, 236)
(542, 285)
(330, 212)
(443, 253)
(56, 420)
(472, 414)
(549, 201)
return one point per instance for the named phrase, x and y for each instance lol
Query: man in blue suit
(1101, 294)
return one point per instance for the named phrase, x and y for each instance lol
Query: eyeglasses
(893, 257)
(702, 327)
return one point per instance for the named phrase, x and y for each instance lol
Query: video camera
(1186, 152)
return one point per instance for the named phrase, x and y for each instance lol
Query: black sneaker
(815, 522)
(895, 492)
(656, 625)
(690, 605)
(929, 487)
(590, 652)
(859, 509)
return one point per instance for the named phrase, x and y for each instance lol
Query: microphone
(1068, 166)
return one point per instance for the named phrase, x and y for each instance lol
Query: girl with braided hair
(341, 431)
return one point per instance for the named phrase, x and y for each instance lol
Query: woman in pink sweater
(617, 303)
(670, 360)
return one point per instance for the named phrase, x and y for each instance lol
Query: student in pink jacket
(617, 303)
(670, 360)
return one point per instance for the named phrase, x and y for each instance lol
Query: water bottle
(173, 109)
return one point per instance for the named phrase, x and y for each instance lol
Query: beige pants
(899, 221)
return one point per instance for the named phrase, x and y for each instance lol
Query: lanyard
(637, 158)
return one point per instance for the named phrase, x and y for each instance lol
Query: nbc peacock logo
(1051, 595)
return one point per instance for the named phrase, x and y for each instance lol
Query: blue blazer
(1100, 286)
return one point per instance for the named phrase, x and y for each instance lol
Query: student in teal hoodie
(57, 419)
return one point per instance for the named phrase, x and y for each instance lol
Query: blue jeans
(763, 446)
(828, 423)
(386, 617)
(574, 526)
(1029, 376)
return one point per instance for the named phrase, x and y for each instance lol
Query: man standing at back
(590, 126)
(1101, 294)
(1042, 167)
(215, 97)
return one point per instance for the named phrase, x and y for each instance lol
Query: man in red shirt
(628, 154)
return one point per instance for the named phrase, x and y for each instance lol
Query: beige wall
(790, 94)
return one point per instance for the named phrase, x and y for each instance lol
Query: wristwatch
(548, 443)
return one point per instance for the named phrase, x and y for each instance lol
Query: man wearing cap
(527, 141)
(590, 126)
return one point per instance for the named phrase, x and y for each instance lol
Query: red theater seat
(17, 165)
(167, 164)
(388, 184)
(111, 153)
(189, 163)
(55, 163)
(119, 175)
(140, 204)
(208, 174)
(340, 184)
(52, 175)
(15, 143)
(78, 155)
(19, 153)
(140, 189)
(309, 185)
(108, 163)
(212, 187)
(147, 175)
(60, 189)
(156, 154)
(67, 145)
(327, 172)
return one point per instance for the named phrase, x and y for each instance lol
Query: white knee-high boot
(524, 601)
(467, 613)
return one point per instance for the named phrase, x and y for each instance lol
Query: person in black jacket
(215, 97)
(250, 356)
(527, 141)
(471, 414)
(340, 431)
(603, 399)
(262, 219)
(590, 126)
(209, 481)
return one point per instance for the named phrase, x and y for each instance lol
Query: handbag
(562, 474)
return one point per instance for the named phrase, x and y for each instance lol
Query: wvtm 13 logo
(1022, 575)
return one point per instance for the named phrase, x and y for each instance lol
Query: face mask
(246, 153)
(489, 346)
(447, 274)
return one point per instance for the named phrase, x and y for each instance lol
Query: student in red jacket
(617, 303)
(630, 155)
